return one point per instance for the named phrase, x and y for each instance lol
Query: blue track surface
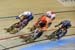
(50, 44)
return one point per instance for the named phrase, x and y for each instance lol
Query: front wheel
(12, 27)
(53, 35)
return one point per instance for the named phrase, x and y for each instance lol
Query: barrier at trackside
(69, 3)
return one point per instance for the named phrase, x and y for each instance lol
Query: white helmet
(51, 14)
(26, 13)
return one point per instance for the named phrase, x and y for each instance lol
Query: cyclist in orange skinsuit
(47, 19)
(44, 19)
(43, 23)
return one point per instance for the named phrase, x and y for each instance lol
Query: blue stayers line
(50, 44)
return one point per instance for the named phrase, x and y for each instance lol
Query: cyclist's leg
(37, 35)
(61, 34)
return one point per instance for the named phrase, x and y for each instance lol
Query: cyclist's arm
(58, 24)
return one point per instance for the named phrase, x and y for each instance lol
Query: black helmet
(42, 24)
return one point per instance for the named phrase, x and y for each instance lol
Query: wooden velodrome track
(15, 7)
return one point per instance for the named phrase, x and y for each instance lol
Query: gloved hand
(17, 17)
